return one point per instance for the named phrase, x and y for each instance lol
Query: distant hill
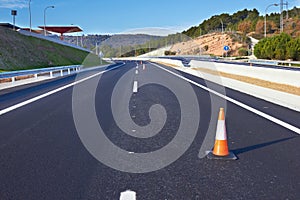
(86, 41)
(110, 44)
(22, 52)
(116, 41)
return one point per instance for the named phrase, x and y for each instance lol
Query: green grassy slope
(22, 52)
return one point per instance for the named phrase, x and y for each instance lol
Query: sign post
(226, 48)
(101, 56)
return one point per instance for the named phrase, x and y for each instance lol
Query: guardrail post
(51, 74)
(13, 79)
(69, 71)
(61, 73)
(35, 75)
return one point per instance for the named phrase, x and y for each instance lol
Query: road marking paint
(24, 103)
(136, 72)
(135, 87)
(238, 103)
(128, 195)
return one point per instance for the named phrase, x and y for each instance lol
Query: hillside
(249, 21)
(22, 52)
(211, 44)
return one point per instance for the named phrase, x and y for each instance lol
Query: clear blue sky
(117, 16)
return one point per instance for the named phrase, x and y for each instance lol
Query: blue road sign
(226, 48)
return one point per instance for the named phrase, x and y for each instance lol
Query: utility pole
(287, 10)
(281, 14)
(200, 42)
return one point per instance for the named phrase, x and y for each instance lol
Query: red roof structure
(62, 29)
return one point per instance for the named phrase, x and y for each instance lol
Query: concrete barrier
(268, 74)
(175, 63)
(287, 100)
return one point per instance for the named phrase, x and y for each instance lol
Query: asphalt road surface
(45, 155)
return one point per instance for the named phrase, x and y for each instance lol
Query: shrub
(243, 52)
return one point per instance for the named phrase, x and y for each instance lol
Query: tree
(259, 27)
(293, 49)
(245, 26)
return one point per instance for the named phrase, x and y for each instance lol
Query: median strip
(255, 81)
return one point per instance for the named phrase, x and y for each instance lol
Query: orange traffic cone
(220, 150)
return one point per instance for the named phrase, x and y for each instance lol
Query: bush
(170, 53)
(243, 52)
(280, 47)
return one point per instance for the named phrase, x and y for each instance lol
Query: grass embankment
(18, 52)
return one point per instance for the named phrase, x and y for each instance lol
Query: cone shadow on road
(259, 146)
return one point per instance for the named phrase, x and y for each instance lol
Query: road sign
(101, 54)
(14, 12)
(226, 48)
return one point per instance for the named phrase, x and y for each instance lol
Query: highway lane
(14, 95)
(42, 156)
(187, 60)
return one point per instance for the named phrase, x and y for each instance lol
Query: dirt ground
(214, 42)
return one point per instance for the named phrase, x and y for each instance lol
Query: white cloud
(14, 3)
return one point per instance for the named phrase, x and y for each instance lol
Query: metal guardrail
(274, 62)
(35, 72)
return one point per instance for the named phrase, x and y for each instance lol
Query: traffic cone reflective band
(221, 150)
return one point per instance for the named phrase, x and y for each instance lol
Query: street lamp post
(29, 7)
(45, 33)
(265, 27)
(14, 14)
(222, 36)
(200, 52)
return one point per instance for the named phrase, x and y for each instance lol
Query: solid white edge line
(24, 103)
(238, 103)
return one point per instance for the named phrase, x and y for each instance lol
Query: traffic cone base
(230, 156)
